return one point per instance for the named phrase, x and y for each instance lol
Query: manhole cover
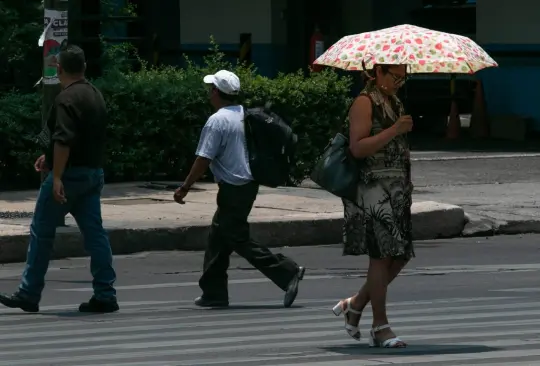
(16, 215)
(136, 201)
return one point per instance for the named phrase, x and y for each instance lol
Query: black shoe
(97, 306)
(209, 303)
(292, 289)
(16, 300)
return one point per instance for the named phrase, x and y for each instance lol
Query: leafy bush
(21, 23)
(20, 122)
(156, 116)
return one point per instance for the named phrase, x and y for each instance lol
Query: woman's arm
(360, 122)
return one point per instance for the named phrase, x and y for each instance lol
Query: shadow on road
(59, 314)
(245, 307)
(82, 282)
(411, 350)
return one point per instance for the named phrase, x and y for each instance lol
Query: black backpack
(271, 144)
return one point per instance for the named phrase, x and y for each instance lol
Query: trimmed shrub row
(156, 115)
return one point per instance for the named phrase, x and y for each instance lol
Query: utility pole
(54, 37)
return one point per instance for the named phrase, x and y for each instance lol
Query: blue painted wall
(269, 59)
(513, 87)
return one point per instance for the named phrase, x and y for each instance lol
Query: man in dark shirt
(73, 184)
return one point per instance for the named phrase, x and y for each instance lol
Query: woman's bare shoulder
(361, 103)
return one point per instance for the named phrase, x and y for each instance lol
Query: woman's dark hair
(372, 73)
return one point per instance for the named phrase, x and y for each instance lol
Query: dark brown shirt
(78, 119)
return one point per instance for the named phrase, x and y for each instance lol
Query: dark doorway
(303, 17)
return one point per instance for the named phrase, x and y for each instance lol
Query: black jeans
(230, 233)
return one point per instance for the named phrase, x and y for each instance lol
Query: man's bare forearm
(199, 167)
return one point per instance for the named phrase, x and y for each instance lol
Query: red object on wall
(316, 48)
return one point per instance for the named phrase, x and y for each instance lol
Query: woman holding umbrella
(378, 223)
(378, 220)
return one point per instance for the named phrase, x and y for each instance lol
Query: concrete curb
(431, 220)
(478, 225)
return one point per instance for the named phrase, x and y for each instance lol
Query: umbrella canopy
(423, 50)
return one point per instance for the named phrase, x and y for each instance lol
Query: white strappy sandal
(395, 342)
(352, 330)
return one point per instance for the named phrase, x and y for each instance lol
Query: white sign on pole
(53, 38)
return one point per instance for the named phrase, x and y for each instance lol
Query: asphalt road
(451, 168)
(445, 168)
(460, 302)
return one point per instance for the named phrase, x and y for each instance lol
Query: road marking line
(233, 361)
(151, 350)
(267, 303)
(476, 157)
(408, 272)
(218, 337)
(210, 313)
(187, 284)
(404, 359)
(257, 360)
(402, 316)
(155, 333)
(75, 306)
(138, 315)
(524, 289)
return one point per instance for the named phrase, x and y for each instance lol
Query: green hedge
(20, 122)
(156, 116)
(21, 24)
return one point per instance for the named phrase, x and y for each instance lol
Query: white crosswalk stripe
(457, 331)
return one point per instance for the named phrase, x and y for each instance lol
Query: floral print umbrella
(422, 50)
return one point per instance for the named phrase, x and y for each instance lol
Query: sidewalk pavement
(143, 219)
(492, 209)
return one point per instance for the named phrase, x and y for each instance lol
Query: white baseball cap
(226, 81)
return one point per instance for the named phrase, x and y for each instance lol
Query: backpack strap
(247, 131)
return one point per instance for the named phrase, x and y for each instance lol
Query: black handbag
(337, 171)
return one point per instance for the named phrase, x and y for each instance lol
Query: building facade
(226, 21)
(281, 29)
(280, 32)
(510, 31)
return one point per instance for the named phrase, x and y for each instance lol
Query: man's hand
(40, 165)
(180, 194)
(58, 191)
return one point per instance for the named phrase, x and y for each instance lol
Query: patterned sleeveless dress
(378, 224)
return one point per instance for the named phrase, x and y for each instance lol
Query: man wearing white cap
(222, 147)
